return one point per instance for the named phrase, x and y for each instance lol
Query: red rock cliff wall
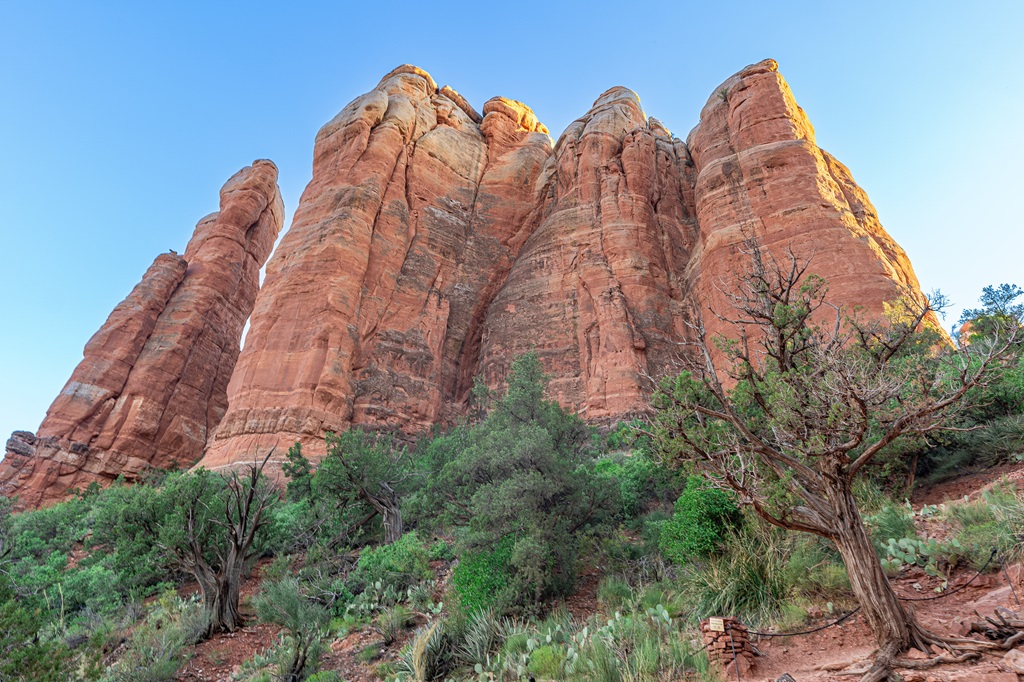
(153, 383)
(372, 307)
(597, 289)
(760, 172)
(434, 244)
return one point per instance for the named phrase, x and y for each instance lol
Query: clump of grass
(427, 656)
(747, 580)
(480, 638)
(158, 647)
(391, 622)
(816, 572)
(995, 520)
(613, 593)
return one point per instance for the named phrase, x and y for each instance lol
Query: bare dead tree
(802, 397)
(219, 518)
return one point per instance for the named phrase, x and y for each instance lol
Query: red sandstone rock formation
(597, 289)
(153, 383)
(760, 172)
(433, 245)
(372, 307)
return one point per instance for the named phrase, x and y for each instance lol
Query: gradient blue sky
(120, 121)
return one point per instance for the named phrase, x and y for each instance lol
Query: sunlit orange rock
(433, 245)
(760, 172)
(153, 382)
(373, 304)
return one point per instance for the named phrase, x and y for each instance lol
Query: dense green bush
(124, 519)
(703, 516)
(400, 564)
(304, 621)
(641, 481)
(24, 657)
(481, 579)
(158, 646)
(526, 471)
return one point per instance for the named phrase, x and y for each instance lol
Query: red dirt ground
(819, 657)
(827, 654)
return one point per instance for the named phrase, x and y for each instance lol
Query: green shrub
(891, 522)
(613, 593)
(641, 481)
(124, 517)
(304, 621)
(39, 533)
(428, 656)
(158, 647)
(95, 587)
(527, 471)
(392, 621)
(24, 657)
(816, 571)
(546, 661)
(441, 551)
(299, 472)
(703, 517)
(481, 579)
(993, 521)
(401, 563)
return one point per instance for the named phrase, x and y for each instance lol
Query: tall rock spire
(153, 382)
(372, 305)
(761, 173)
(596, 291)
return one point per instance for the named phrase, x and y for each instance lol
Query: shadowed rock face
(433, 245)
(153, 383)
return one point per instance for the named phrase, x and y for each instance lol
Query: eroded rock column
(153, 383)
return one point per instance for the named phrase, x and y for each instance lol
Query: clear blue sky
(120, 121)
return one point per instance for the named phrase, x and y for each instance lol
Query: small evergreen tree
(213, 532)
(521, 487)
(365, 474)
(808, 398)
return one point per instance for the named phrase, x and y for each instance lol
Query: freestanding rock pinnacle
(153, 383)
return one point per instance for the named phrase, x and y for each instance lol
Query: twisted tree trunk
(386, 504)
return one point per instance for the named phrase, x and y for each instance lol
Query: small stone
(741, 663)
(1014, 660)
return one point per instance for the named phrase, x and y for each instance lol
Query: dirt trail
(823, 656)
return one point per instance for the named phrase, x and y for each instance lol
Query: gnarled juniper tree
(790, 410)
(212, 532)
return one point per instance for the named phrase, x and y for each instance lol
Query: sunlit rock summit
(433, 245)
